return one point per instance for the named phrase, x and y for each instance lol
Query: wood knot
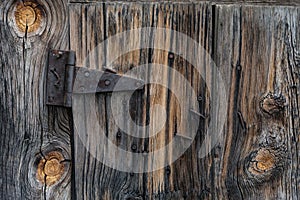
(272, 104)
(28, 18)
(51, 168)
(263, 161)
(264, 164)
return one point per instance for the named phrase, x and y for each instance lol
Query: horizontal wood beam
(216, 2)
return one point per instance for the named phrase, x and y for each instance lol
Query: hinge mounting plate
(64, 79)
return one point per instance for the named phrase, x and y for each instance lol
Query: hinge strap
(64, 79)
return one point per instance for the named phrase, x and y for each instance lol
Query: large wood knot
(272, 104)
(51, 168)
(28, 18)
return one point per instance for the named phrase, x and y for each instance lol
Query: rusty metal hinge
(64, 79)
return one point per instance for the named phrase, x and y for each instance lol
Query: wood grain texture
(255, 48)
(93, 179)
(258, 48)
(29, 129)
(214, 2)
(188, 177)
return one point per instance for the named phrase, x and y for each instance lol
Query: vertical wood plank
(260, 46)
(33, 136)
(173, 181)
(255, 48)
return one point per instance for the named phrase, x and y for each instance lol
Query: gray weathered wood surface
(29, 130)
(255, 45)
(259, 49)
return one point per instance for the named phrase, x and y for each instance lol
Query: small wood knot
(51, 168)
(272, 104)
(28, 17)
(262, 162)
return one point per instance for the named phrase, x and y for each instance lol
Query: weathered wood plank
(259, 48)
(113, 18)
(242, 2)
(181, 179)
(35, 139)
(252, 47)
(172, 182)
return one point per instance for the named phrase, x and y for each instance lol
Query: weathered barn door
(217, 118)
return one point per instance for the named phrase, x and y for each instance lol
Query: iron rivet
(82, 88)
(171, 55)
(107, 82)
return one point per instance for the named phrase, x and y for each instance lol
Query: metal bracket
(64, 79)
